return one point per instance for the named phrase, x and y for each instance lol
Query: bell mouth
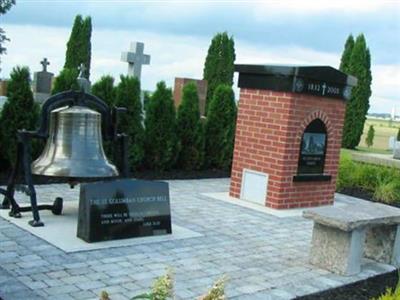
(65, 168)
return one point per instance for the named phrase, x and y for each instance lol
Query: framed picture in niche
(313, 149)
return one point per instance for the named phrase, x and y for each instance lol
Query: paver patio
(264, 256)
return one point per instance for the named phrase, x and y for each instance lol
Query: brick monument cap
(315, 80)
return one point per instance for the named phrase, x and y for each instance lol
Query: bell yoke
(74, 125)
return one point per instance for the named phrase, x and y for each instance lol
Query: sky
(177, 35)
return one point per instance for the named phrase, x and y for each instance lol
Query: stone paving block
(81, 295)
(74, 279)
(90, 285)
(64, 289)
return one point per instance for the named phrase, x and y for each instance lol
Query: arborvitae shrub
(189, 129)
(19, 112)
(128, 95)
(219, 64)
(220, 128)
(67, 80)
(160, 126)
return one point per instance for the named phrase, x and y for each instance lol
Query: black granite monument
(123, 209)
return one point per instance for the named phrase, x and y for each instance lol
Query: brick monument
(288, 134)
(201, 91)
(3, 87)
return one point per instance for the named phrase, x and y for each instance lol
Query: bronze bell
(74, 147)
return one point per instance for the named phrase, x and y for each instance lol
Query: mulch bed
(145, 175)
(361, 290)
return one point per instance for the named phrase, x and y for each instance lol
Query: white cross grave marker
(135, 59)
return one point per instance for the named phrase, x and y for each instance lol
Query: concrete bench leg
(336, 250)
(382, 244)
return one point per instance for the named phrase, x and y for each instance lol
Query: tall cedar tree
(66, 80)
(369, 140)
(398, 135)
(5, 6)
(128, 96)
(79, 45)
(190, 130)
(19, 112)
(219, 64)
(105, 90)
(358, 105)
(348, 49)
(160, 127)
(220, 128)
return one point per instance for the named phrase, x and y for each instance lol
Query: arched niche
(313, 149)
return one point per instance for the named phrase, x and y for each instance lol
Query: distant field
(382, 134)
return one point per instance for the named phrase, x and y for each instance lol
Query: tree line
(161, 137)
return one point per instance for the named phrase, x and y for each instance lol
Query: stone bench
(342, 236)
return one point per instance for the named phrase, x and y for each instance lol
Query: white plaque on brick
(254, 186)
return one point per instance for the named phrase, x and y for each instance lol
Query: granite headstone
(42, 82)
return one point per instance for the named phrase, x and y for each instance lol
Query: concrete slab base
(60, 231)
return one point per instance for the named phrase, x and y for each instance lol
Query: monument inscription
(122, 209)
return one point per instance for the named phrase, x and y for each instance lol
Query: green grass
(383, 131)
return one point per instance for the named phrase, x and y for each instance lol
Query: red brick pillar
(288, 134)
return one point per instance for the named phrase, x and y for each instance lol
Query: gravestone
(392, 142)
(123, 208)
(83, 82)
(42, 82)
(396, 150)
(135, 58)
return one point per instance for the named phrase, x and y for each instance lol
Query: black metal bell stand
(109, 117)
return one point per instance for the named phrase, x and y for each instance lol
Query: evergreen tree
(79, 45)
(189, 129)
(219, 64)
(128, 95)
(105, 90)
(160, 125)
(66, 80)
(220, 128)
(19, 112)
(345, 60)
(358, 105)
(398, 135)
(369, 140)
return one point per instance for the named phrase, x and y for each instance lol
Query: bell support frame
(109, 117)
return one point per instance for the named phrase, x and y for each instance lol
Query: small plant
(162, 288)
(104, 296)
(369, 140)
(345, 177)
(387, 191)
(217, 292)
